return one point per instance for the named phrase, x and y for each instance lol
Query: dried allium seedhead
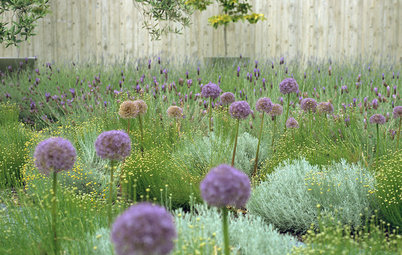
(288, 85)
(325, 107)
(292, 123)
(308, 104)
(227, 98)
(144, 229)
(113, 145)
(264, 104)
(225, 186)
(240, 110)
(174, 111)
(397, 112)
(276, 110)
(54, 155)
(142, 106)
(377, 119)
(128, 109)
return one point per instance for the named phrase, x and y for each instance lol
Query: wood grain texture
(108, 32)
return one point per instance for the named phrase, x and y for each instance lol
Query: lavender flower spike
(225, 185)
(54, 155)
(144, 229)
(113, 145)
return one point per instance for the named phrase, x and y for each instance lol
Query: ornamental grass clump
(238, 110)
(54, 155)
(142, 109)
(287, 86)
(397, 113)
(144, 229)
(128, 110)
(211, 91)
(263, 105)
(114, 145)
(225, 186)
(377, 119)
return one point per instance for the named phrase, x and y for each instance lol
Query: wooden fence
(110, 31)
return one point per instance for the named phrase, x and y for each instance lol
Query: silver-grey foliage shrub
(248, 234)
(289, 197)
(197, 153)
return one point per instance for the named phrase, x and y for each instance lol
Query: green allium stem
(54, 214)
(378, 141)
(128, 126)
(210, 114)
(258, 146)
(225, 230)
(287, 110)
(273, 134)
(109, 209)
(399, 132)
(142, 136)
(235, 145)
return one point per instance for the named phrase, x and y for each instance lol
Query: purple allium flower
(288, 85)
(144, 229)
(308, 104)
(397, 112)
(239, 110)
(174, 111)
(264, 104)
(54, 155)
(277, 110)
(113, 145)
(325, 107)
(292, 123)
(210, 90)
(377, 119)
(227, 98)
(225, 185)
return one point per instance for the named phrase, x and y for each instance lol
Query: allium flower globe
(113, 145)
(377, 119)
(174, 112)
(288, 86)
(325, 107)
(54, 155)
(227, 98)
(240, 110)
(128, 109)
(142, 106)
(264, 105)
(210, 90)
(397, 112)
(292, 123)
(277, 110)
(308, 104)
(144, 229)
(225, 185)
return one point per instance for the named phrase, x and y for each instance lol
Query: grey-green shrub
(289, 197)
(248, 234)
(196, 152)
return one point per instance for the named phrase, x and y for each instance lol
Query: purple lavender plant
(144, 229)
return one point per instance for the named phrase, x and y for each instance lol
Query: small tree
(233, 11)
(20, 25)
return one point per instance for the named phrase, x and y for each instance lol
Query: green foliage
(388, 171)
(201, 233)
(332, 237)
(25, 14)
(289, 197)
(156, 177)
